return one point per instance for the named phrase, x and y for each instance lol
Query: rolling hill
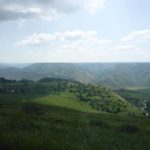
(64, 93)
(114, 75)
(60, 114)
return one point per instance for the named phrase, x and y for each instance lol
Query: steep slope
(126, 75)
(114, 75)
(42, 70)
(118, 77)
(59, 70)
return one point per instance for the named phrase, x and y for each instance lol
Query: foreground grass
(30, 126)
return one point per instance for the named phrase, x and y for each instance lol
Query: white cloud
(82, 46)
(87, 40)
(93, 5)
(137, 36)
(136, 40)
(36, 39)
(11, 10)
(76, 36)
(125, 48)
(78, 46)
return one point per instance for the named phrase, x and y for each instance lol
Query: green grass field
(65, 99)
(61, 128)
(64, 120)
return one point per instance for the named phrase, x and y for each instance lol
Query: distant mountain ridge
(115, 75)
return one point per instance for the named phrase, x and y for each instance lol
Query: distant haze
(114, 75)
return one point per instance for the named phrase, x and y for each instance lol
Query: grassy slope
(58, 128)
(69, 100)
(77, 96)
(65, 99)
(28, 126)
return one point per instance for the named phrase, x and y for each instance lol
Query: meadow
(56, 119)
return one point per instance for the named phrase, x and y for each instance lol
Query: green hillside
(61, 114)
(74, 95)
(51, 127)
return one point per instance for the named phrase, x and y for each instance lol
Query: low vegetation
(66, 115)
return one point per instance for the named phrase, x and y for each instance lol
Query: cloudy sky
(74, 30)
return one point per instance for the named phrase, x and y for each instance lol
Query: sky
(74, 31)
